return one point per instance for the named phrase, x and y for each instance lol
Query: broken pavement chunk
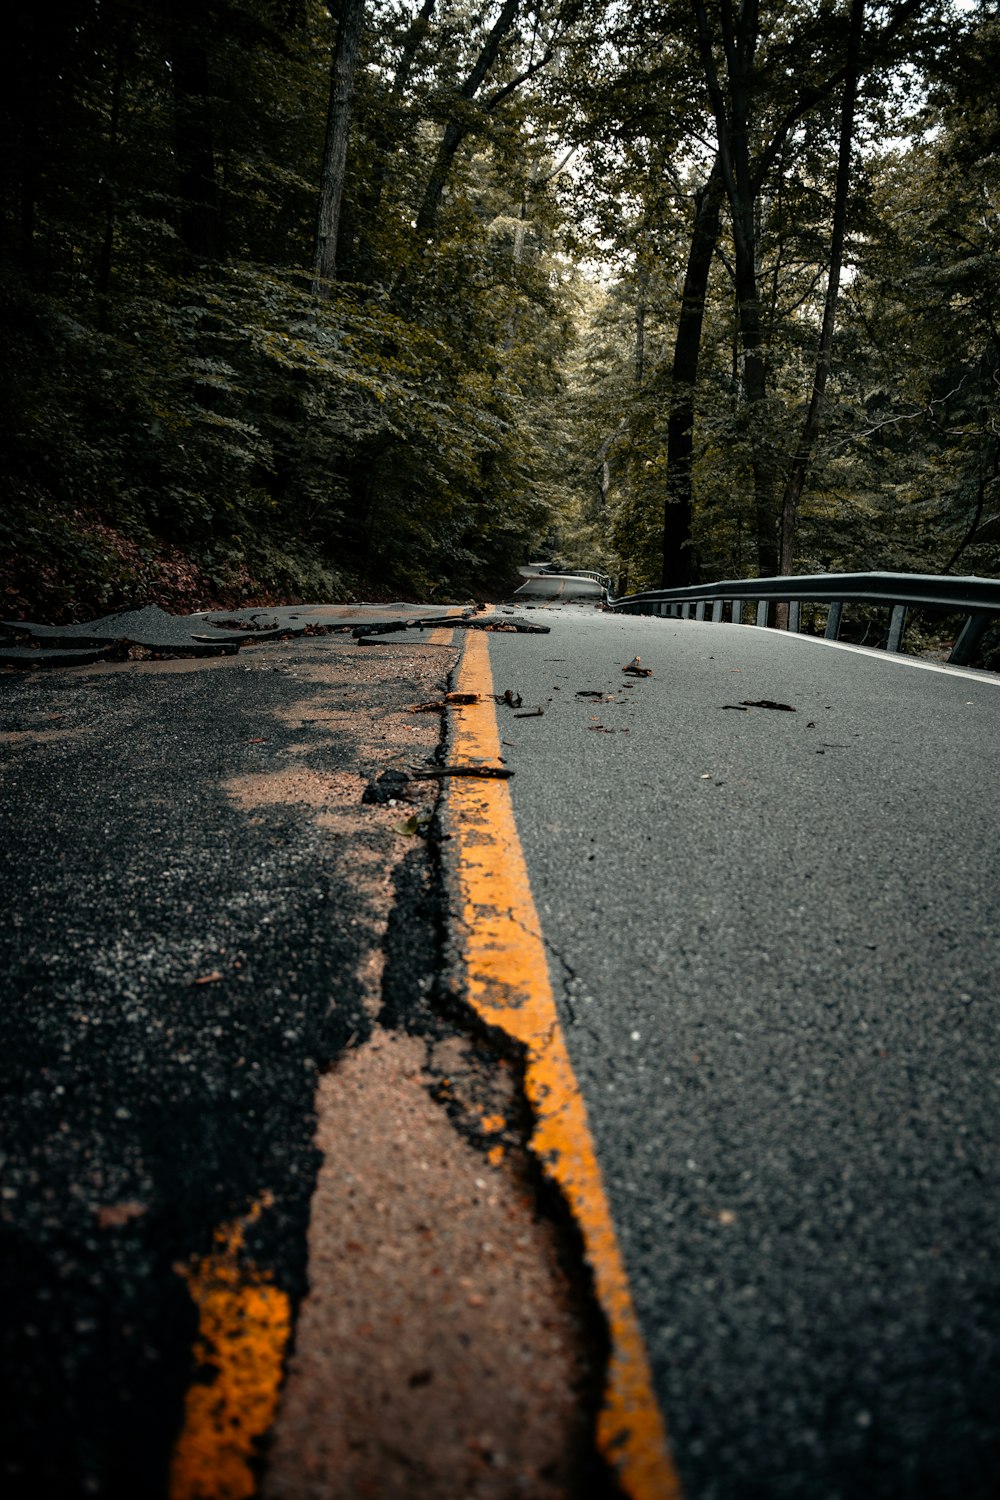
(438, 705)
(635, 670)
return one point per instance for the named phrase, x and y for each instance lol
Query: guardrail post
(737, 611)
(795, 616)
(896, 627)
(717, 611)
(699, 610)
(969, 637)
(833, 619)
(762, 611)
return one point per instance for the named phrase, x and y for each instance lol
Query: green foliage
(161, 394)
(174, 389)
(906, 469)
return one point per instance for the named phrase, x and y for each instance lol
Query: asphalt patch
(143, 1109)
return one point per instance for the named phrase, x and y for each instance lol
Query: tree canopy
(382, 297)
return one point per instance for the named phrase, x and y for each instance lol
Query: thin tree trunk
(338, 126)
(640, 326)
(521, 231)
(810, 430)
(457, 128)
(388, 129)
(985, 480)
(603, 469)
(677, 508)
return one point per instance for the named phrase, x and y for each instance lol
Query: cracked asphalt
(220, 965)
(774, 940)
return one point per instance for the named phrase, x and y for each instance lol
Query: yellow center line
(508, 984)
(244, 1324)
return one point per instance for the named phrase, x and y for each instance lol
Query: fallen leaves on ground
(634, 669)
(211, 978)
(416, 823)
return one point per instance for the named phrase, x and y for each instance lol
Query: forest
(384, 298)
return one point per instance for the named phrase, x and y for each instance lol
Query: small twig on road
(435, 773)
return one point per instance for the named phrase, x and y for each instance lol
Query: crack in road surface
(224, 991)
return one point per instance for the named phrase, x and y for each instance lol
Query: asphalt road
(192, 890)
(774, 934)
(773, 938)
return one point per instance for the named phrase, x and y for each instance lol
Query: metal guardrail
(977, 598)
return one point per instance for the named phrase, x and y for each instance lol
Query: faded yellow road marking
(441, 637)
(508, 984)
(244, 1324)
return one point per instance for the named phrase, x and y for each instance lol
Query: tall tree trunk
(733, 118)
(677, 568)
(338, 126)
(743, 194)
(200, 218)
(810, 430)
(458, 127)
(521, 230)
(763, 459)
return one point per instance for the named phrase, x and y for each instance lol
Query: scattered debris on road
(746, 703)
(368, 634)
(438, 705)
(634, 669)
(530, 713)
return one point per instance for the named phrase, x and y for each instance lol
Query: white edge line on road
(987, 679)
